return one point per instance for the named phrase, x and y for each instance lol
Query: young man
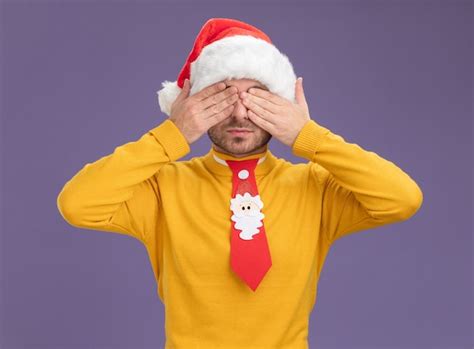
(237, 238)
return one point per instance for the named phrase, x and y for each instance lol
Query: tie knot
(243, 173)
(242, 168)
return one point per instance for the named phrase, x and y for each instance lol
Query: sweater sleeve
(360, 189)
(119, 192)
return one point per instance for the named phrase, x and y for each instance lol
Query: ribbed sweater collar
(215, 162)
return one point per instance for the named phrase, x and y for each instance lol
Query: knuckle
(192, 110)
(229, 101)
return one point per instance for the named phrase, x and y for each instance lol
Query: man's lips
(237, 131)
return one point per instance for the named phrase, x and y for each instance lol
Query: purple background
(80, 78)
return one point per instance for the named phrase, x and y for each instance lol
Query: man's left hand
(280, 117)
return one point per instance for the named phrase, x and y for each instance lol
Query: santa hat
(230, 49)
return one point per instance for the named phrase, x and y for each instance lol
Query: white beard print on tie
(247, 215)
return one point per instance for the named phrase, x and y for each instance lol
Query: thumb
(299, 92)
(185, 90)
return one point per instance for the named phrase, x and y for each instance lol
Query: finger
(210, 90)
(218, 97)
(218, 117)
(262, 123)
(265, 104)
(263, 113)
(217, 108)
(268, 96)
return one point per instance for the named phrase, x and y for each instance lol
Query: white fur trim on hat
(236, 57)
(167, 95)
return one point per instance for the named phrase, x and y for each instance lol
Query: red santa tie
(249, 252)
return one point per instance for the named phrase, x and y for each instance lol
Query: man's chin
(241, 149)
(238, 147)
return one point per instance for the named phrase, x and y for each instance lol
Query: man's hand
(276, 115)
(195, 114)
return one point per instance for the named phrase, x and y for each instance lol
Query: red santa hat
(227, 48)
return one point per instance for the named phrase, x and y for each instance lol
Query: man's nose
(240, 110)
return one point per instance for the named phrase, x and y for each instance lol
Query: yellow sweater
(180, 211)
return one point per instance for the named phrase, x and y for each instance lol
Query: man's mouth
(239, 131)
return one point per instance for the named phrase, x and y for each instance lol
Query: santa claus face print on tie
(247, 214)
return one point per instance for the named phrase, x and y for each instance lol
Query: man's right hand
(195, 114)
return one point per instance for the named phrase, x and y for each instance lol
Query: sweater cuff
(309, 140)
(172, 139)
